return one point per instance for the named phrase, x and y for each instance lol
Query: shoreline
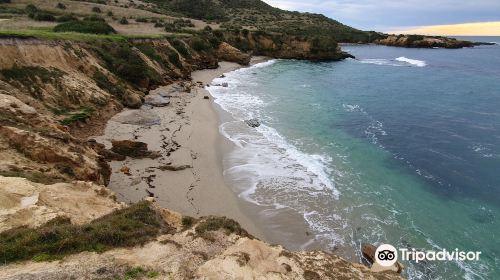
(186, 134)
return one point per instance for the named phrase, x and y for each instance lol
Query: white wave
(379, 61)
(262, 153)
(418, 63)
(398, 62)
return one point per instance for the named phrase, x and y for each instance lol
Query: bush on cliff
(121, 60)
(132, 226)
(92, 27)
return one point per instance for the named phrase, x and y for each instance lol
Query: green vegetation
(213, 223)
(92, 27)
(79, 115)
(33, 176)
(104, 83)
(187, 222)
(51, 35)
(61, 6)
(28, 75)
(121, 60)
(180, 47)
(96, 10)
(132, 226)
(123, 20)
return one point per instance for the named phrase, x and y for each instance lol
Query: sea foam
(418, 63)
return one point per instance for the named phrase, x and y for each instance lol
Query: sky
(407, 16)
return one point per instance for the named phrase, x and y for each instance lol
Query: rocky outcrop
(24, 203)
(420, 41)
(229, 53)
(320, 48)
(132, 149)
(205, 248)
(45, 157)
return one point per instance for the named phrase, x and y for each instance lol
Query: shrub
(94, 18)
(92, 27)
(80, 115)
(213, 223)
(66, 18)
(141, 19)
(199, 44)
(180, 47)
(61, 6)
(31, 9)
(96, 10)
(104, 83)
(109, 13)
(123, 20)
(124, 62)
(131, 226)
(42, 16)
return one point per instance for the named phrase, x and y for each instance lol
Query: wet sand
(185, 133)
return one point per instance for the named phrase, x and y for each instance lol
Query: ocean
(398, 146)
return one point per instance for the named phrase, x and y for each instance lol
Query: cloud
(463, 29)
(385, 15)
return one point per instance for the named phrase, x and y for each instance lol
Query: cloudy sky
(400, 15)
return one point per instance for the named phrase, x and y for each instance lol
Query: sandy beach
(182, 125)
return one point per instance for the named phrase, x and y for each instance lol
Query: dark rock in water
(368, 251)
(222, 76)
(130, 148)
(225, 84)
(253, 123)
(156, 100)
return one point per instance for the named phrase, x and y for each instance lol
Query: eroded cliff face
(187, 248)
(286, 46)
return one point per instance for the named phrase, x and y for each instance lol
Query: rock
(225, 84)
(137, 117)
(125, 169)
(421, 41)
(253, 123)
(206, 97)
(132, 100)
(229, 53)
(24, 203)
(368, 251)
(156, 100)
(130, 148)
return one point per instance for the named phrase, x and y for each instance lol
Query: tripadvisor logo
(387, 255)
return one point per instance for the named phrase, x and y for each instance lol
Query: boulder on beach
(130, 148)
(137, 117)
(132, 100)
(156, 100)
(253, 123)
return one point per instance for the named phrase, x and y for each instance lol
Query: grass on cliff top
(49, 34)
(132, 226)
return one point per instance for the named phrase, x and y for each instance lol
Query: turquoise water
(398, 146)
